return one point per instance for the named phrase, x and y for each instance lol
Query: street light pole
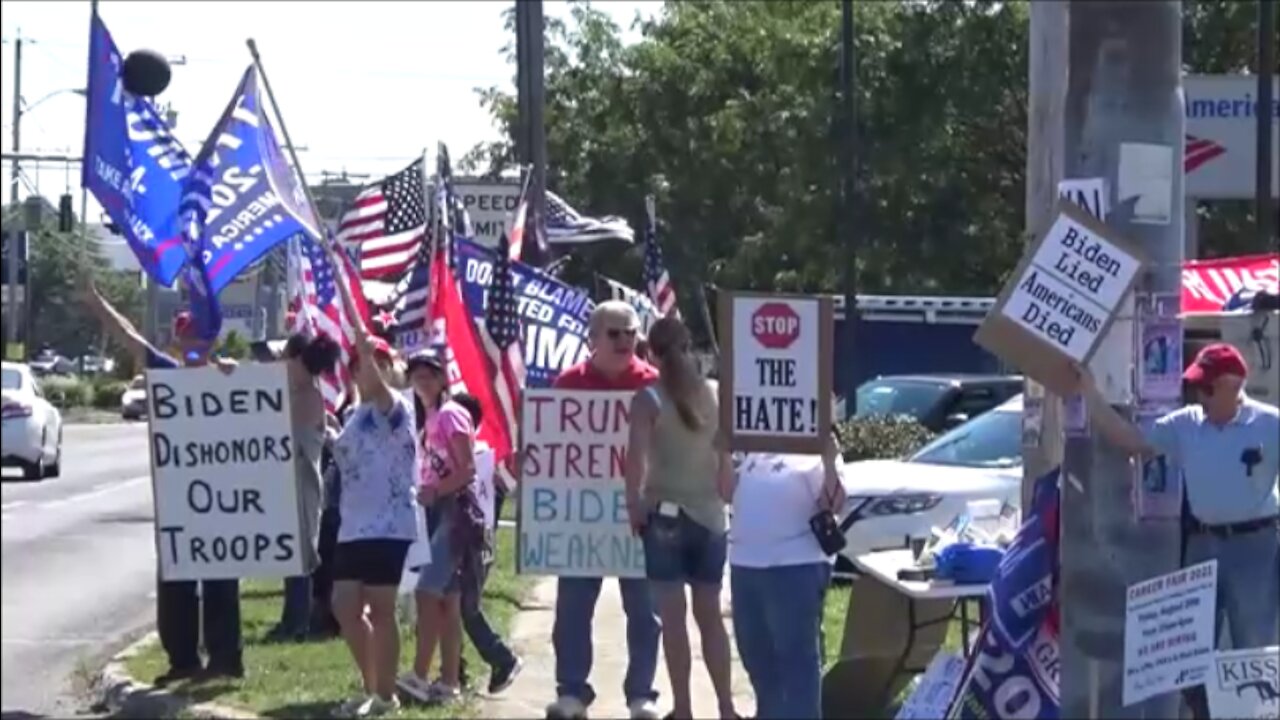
(1124, 119)
(848, 184)
(1266, 69)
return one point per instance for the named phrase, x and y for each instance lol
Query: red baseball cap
(1213, 362)
(182, 325)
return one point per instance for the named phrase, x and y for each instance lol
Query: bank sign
(1222, 143)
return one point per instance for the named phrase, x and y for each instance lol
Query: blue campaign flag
(252, 198)
(554, 315)
(132, 163)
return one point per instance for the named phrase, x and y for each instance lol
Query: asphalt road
(78, 568)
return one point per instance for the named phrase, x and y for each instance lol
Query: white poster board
(776, 368)
(1169, 632)
(573, 513)
(1245, 684)
(226, 495)
(933, 693)
(485, 491)
(1073, 285)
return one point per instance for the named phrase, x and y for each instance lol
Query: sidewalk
(535, 688)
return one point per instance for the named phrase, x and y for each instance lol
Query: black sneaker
(174, 675)
(501, 678)
(214, 672)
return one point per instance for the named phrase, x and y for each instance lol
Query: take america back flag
(387, 223)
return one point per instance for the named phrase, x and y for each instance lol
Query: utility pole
(1047, 70)
(847, 223)
(1124, 109)
(19, 230)
(1266, 70)
(531, 147)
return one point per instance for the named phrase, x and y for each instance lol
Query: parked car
(893, 501)
(133, 401)
(32, 427)
(48, 362)
(939, 402)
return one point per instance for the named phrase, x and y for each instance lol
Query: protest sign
(573, 513)
(776, 371)
(226, 495)
(1089, 193)
(485, 489)
(933, 693)
(1245, 684)
(1062, 297)
(1169, 632)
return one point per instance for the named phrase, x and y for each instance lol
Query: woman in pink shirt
(455, 522)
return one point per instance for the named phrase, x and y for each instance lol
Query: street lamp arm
(55, 93)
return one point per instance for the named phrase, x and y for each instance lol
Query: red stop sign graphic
(775, 325)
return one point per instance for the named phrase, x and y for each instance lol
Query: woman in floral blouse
(376, 453)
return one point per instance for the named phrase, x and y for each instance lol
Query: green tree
(725, 110)
(57, 318)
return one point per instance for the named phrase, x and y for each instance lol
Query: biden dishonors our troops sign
(775, 371)
(1061, 298)
(226, 494)
(572, 517)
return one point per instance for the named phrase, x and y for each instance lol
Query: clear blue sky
(363, 85)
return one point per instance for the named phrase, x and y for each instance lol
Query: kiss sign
(771, 400)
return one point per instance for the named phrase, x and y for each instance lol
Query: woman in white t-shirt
(779, 575)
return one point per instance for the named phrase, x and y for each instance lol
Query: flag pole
(288, 142)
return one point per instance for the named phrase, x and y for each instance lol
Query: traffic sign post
(776, 367)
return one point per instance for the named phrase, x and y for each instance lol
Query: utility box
(1256, 335)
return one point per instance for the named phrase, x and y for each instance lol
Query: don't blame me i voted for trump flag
(132, 163)
(554, 315)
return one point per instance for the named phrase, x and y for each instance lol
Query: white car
(133, 401)
(894, 501)
(32, 427)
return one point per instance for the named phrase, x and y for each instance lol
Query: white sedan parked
(32, 427)
(893, 501)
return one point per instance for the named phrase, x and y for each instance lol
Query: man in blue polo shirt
(1228, 447)
(178, 606)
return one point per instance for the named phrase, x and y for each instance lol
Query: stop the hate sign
(775, 371)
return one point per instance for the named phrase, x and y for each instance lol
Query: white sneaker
(567, 708)
(349, 706)
(415, 687)
(377, 707)
(643, 710)
(441, 693)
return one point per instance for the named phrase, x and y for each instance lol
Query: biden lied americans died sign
(1061, 299)
(775, 371)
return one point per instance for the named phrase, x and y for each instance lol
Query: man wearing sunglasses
(612, 332)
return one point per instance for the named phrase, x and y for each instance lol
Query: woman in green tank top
(677, 488)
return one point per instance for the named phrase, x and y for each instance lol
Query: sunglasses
(617, 333)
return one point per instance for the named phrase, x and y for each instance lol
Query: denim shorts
(440, 576)
(679, 549)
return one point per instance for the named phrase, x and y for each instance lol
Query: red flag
(465, 357)
(1208, 284)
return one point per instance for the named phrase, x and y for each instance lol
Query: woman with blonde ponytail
(678, 479)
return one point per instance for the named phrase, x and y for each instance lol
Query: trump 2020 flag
(132, 163)
(252, 198)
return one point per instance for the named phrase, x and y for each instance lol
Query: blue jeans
(1248, 583)
(678, 549)
(295, 616)
(571, 636)
(777, 618)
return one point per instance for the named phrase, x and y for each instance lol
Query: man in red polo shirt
(612, 332)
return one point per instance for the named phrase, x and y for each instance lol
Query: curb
(123, 696)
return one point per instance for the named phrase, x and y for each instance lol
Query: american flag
(387, 223)
(656, 278)
(565, 225)
(319, 310)
(410, 309)
(501, 337)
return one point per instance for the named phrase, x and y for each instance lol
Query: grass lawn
(309, 679)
